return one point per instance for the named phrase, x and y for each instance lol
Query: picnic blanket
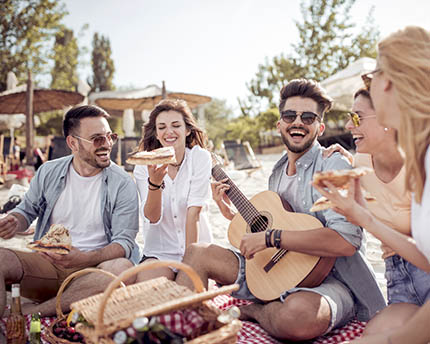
(251, 333)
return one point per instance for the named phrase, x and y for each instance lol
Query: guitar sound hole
(259, 224)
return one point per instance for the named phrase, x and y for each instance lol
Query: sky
(209, 47)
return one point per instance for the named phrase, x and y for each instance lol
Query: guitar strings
(241, 202)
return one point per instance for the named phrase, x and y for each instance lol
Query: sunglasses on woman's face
(307, 117)
(367, 78)
(356, 119)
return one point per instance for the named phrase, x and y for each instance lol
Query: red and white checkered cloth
(251, 333)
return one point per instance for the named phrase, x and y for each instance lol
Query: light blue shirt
(354, 271)
(119, 203)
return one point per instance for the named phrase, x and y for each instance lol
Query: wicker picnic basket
(116, 309)
(48, 334)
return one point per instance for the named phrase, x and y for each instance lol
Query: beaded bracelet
(155, 186)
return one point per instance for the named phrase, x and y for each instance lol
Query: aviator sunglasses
(356, 119)
(367, 78)
(100, 140)
(307, 117)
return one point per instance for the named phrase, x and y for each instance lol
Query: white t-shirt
(79, 209)
(287, 190)
(191, 187)
(421, 214)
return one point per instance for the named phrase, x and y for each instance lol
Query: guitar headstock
(216, 159)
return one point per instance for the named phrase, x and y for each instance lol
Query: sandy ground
(249, 185)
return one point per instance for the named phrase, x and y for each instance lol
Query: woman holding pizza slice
(408, 285)
(174, 195)
(399, 89)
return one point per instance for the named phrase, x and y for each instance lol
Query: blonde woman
(399, 88)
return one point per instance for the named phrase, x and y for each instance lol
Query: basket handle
(78, 273)
(198, 284)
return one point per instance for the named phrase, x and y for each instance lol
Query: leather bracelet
(277, 235)
(156, 187)
(153, 189)
(269, 237)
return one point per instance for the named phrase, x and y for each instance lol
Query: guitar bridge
(274, 259)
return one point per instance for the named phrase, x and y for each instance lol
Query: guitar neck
(242, 204)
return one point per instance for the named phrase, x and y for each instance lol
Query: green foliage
(267, 120)
(327, 44)
(51, 123)
(27, 28)
(217, 114)
(102, 64)
(65, 54)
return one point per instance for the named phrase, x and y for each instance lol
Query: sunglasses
(356, 119)
(100, 140)
(307, 117)
(367, 78)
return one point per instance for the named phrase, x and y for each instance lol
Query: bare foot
(247, 312)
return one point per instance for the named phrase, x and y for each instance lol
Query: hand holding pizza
(352, 205)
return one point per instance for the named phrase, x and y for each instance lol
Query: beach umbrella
(30, 101)
(145, 99)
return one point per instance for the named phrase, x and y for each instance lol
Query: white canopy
(342, 85)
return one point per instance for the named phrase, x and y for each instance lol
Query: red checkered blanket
(250, 333)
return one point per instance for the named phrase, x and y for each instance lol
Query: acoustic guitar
(273, 271)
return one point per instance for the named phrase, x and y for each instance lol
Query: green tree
(27, 30)
(65, 54)
(217, 114)
(327, 43)
(102, 64)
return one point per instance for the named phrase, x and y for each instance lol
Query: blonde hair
(405, 58)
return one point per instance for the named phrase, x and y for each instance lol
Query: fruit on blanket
(61, 330)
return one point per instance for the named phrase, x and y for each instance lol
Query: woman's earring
(385, 129)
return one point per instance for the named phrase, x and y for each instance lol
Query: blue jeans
(406, 282)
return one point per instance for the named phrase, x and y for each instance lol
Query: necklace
(178, 164)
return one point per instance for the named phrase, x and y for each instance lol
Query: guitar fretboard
(243, 205)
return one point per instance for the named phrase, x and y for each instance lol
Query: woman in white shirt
(174, 196)
(399, 88)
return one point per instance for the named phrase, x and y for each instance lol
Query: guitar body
(294, 268)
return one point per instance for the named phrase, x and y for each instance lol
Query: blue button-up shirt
(119, 203)
(354, 271)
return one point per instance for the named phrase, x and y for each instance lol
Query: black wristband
(269, 237)
(155, 186)
(278, 233)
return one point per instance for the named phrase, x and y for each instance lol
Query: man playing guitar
(349, 290)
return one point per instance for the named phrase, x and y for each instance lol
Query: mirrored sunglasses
(307, 117)
(356, 119)
(100, 140)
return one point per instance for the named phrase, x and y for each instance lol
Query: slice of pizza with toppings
(56, 240)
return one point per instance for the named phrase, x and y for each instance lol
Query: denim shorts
(337, 294)
(406, 282)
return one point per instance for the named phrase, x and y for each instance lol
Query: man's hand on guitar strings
(252, 243)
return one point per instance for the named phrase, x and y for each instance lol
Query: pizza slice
(163, 155)
(323, 203)
(56, 240)
(339, 178)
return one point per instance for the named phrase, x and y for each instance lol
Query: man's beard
(298, 149)
(91, 158)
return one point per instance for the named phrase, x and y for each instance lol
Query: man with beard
(350, 290)
(93, 198)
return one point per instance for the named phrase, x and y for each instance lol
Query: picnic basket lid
(117, 308)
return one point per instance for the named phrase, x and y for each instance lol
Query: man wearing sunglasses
(350, 289)
(93, 198)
